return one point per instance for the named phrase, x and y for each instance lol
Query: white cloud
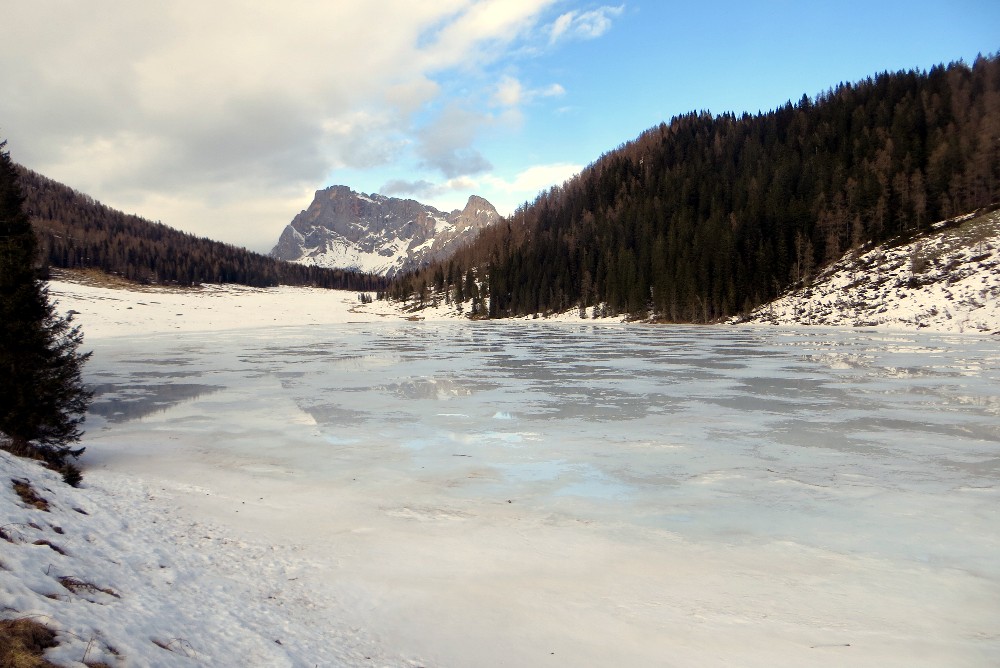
(534, 179)
(492, 23)
(192, 107)
(427, 190)
(553, 90)
(583, 25)
(401, 187)
(445, 144)
(506, 194)
(511, 93)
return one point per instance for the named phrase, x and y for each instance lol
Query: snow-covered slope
(377, 234)
(123, 580)
(947, 281)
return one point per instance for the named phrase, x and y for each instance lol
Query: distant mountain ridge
(77, 232)
(376, 234)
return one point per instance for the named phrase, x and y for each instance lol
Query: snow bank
(122, 576)
(116, 583)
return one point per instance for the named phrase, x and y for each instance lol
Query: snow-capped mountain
(378, 234)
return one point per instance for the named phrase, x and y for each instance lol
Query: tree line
(75, 231)
(707, 216)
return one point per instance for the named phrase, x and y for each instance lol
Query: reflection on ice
(121, 403)
(429, 388)
(600, 396)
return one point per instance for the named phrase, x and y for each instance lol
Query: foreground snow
(123, 576)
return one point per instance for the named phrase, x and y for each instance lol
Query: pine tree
(42, 396)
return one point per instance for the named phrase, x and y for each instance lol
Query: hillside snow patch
(947, 280)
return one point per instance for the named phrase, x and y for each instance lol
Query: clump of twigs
(77, 585)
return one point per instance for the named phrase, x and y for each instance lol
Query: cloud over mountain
(216, 115)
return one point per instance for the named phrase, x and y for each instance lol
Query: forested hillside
(708, 216)
(74, 231)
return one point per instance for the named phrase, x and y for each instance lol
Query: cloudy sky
(222, 118)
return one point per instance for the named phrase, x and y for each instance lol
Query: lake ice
(487, 494)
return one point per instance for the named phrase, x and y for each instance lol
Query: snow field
(104, 312)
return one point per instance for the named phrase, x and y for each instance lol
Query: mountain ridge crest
(377, 233)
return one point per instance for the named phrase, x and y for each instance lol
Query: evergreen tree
(42, 396)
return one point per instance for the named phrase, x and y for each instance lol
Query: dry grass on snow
(22, 643)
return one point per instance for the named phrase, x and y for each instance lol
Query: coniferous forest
(707, 216)
(74, 231)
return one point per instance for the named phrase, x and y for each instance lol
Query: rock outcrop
(378, 234)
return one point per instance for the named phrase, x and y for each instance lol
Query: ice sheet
(498, 494)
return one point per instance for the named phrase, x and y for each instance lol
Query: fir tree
(42, 396)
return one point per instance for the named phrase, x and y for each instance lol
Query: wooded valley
(707, 216)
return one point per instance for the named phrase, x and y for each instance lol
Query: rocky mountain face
(377, 234)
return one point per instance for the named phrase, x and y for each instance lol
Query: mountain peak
(378, 234)
(475, 201)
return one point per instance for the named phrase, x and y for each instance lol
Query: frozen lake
(527, 494)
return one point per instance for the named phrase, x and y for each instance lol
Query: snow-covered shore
(136, 568)
(110, 311)
(129, 574)
(947, 281)
(126, 578)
